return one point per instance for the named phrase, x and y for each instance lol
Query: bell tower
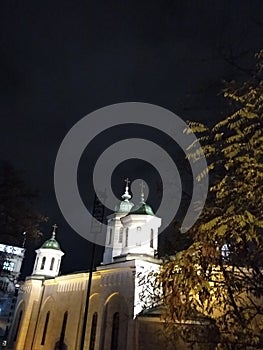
(132, 230)
(140, 228)
(48, 257)
(114, 236)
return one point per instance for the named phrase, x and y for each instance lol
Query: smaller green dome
(125, 207)
(142, 209)
(51, 244)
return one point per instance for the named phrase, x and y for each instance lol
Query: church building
(50, 307)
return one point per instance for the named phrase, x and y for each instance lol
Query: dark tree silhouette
(17, 213)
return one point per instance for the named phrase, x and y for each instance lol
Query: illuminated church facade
(50, 308)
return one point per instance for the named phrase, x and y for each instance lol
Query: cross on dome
(126, 196)
(55, 226)
(142, 185)
(127, 181)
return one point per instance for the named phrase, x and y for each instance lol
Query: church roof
(125, 205)
(142, 209)
(52, 243)
(128, 207)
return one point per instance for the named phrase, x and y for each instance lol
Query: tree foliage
(220, 275)
(17, 212)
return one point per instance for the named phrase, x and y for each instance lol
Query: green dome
(125, 207)
(51, 244)
(142, 209)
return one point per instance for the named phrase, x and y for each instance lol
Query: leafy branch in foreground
(220, 275)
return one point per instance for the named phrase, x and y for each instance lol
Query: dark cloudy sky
(62, 59)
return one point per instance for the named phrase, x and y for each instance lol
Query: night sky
(60, 60)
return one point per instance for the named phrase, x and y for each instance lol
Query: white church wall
(143, 269)
(115, 307)
(115, 291)
(28, 301)
(142, 232)
(113, 244)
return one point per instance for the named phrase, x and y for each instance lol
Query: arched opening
(18, 325)
(43, 263)
(52, 264)
(45, 329)
(58, 265)
(110, 236)
(115, 331)
(126, 237)
(93, 331)
(63, 330)
(114, 325)
(151, 239)
(121, 235)
(36, 263)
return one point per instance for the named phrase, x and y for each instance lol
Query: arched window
(36, 263)
(18, 324)
(110, 236)
(45, 329)
(63, 329)
(52, 263)
(151, 239)
(115, 331)
(93, 331)
(121, 235)
(43, 263)
(58, 265)
(126, 237)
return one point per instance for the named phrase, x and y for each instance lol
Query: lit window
(8, 265)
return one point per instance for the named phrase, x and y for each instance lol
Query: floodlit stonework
(50, 308)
